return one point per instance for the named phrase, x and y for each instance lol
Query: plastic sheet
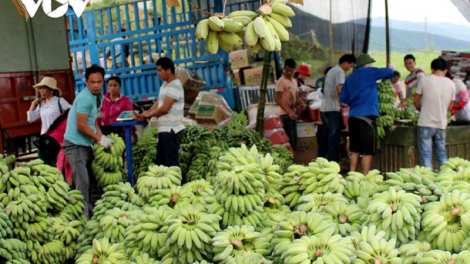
(192, 84)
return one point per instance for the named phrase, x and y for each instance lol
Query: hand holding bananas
(106, 142)
(266, 30)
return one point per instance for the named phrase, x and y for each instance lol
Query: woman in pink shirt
(114, 103)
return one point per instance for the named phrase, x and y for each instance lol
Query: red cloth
(112, 109)
(458, 106)
(62, 162)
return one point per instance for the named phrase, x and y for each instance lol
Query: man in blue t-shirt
(82, 131)
(361, 95)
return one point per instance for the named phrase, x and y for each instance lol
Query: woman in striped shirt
(47, 107)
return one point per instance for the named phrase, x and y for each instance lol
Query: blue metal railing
(150, 31)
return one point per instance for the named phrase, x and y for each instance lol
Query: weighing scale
(127, 120)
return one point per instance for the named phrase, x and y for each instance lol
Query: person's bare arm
(167, 104)
(282, 104)
(83, 127)
(154, 106)
(338, 88)
(98, 129)
(451, 105)
(417, 101)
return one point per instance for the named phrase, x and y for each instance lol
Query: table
(128, 141)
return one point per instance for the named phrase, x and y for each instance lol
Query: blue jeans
(290, 127)
(331, 136)
(426, 137)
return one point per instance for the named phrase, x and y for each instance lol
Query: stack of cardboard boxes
(246, 71)
(306, 147)
(210, 110)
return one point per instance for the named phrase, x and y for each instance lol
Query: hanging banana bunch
(264, 29)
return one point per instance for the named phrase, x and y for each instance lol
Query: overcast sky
(436, 11)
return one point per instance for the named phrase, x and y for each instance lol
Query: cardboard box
(306, 150)
(253, 76)
(213, 109)
(240, 59)
(305, 130)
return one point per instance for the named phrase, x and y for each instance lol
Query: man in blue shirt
(82, 131)
(361, 95)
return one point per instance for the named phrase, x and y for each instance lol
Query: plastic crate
(271, 123)
(314, 114)
(276, 136)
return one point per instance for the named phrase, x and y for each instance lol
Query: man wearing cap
(82, 131)
(361, 95)
(415, 77)
(330, 110)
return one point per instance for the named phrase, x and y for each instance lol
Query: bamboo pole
(387, 33)
(262, 92)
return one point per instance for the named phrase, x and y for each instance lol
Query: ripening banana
(216, 24)
(231, 25)
(212, 42)
(202, 29)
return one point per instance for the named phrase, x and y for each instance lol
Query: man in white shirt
(169, 109)
(434, 97)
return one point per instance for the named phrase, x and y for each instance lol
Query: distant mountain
(460, 32)
(407, 40)
(350, 36)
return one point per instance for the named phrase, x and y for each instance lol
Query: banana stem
(262, 91)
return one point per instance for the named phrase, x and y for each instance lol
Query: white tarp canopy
(464, 7)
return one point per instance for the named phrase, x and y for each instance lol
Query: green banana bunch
(272, 216)
(50, 252)
(5, 224)
(446, 223)
(253, 218)
(418, 180)
(355, 189)
(323, 177)
(157, 178)
(314, 202)
(282, 157)
(103, 251)
(7, 160)
(296, 225)
(189, 232)
(455, 164)
(12, 249)
(290, 184)
(145, 259)
(371, 247)
(173, 197)
(114, 224)
(26, 209)
(107, 164)
(346, 218)
(413, 251)
(455, 180)
(248, 258)
(121, 196)
(85, 240)
(146, 235)
(445, 257)
(324, 248)
(200, 190)
(68, 232)
(398, 213)
(271, 171)
(238, 240)
(144, 152)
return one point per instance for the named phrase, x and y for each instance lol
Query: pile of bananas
(406, 113)
(413, 251)
(445, 257)
(41, 218)
(446, 223)
(264, 30)
(386, 108)
(108, 163)
(345, 218)
(398, 213)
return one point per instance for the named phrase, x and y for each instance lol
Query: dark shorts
(362, 135)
